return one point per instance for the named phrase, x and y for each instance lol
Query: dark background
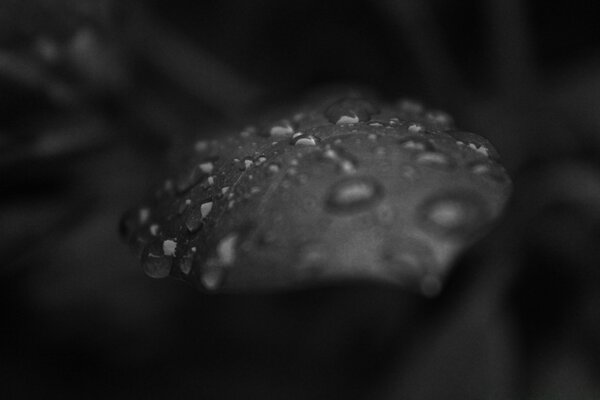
(95, 97)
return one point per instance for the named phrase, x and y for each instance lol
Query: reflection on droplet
(206, 167)
(169, 246)
(354, 194)
(455, 213)
(205, 209)
(350, 111)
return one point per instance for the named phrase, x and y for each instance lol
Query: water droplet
(154, 229)
(205, 209)
(489, 170)
(248, 163)
(186, 262)
(440, 118)
(304, 140)
(224, 189)
(273, 168)
(226, 250)
(248, 131)
(155, 264)
(194, 219)
(433, 158)
(418, 144)
(282, 129)
(212, 277)
(261, 160)
(201, 146)
(169, 246)
(143, 215)
(211, 180)
(350, 111)
(206, 167)
(476, 143)
(354, 194)
(416, 128)
(455, 213)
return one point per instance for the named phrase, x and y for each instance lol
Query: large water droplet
(349, 111)
(455, 213)
(354, 194)
(156, 264)
(281, 129)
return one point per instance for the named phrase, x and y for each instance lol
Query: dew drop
(434, 159)
(455, 213)
(354, 194)
(206, 167)
(475, 142)
(205, 209)
(350, 111)
(212, 277)
(273, 168)
(418, 144)
(226, 252)
(248, 163)
(154, 229)
(416, 128)
(156, 265)
(224, 189)
(282, 129)
(143, 215)
(211, 180)
(304, 140)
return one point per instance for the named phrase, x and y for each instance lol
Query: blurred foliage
(95, 97)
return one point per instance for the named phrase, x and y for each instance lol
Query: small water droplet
(248, 163)
(475, 142)
(440, 118)
(211, 180)
(416, 128)
(206, 167)
(354, 194)
(304, 140)
(455, 213)
(186, 262)
(155, 264)
(212, 277)
(261, 160)
(154, 229)
(434, 159)
(226, 250)
(224, 189)
(350, 111)
(273, 168)
(281, 129)
(143, 215)
(416, 143)
(205, 209)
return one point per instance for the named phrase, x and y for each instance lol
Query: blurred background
(97, 95)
